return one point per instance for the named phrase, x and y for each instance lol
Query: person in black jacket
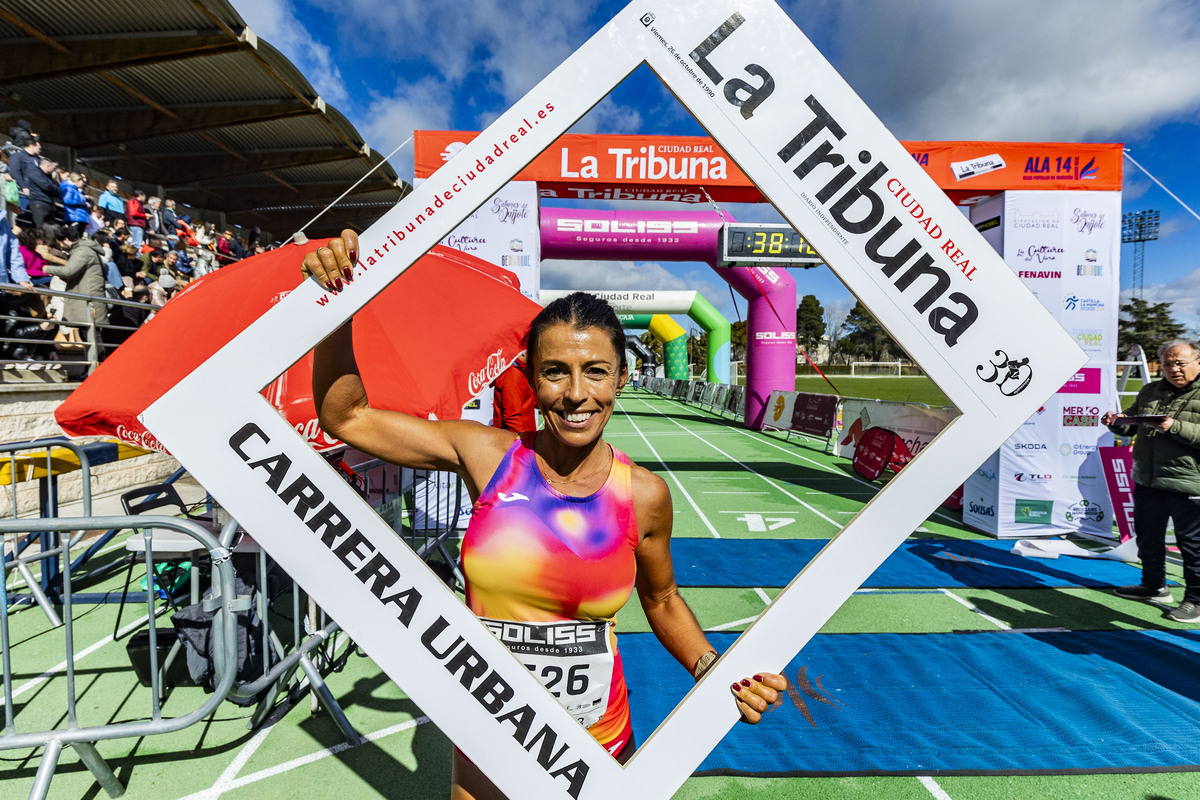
(1166, 476)
(43, 193)
(23, 164)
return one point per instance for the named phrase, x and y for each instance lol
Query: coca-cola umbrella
(425, 345)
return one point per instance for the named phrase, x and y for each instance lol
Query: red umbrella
(425, 345)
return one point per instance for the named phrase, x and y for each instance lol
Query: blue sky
(1007, 70)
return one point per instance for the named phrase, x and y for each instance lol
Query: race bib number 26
(573, 660)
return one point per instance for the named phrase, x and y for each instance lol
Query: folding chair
(167, 547)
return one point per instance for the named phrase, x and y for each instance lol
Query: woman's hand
(332, 263)
(755, 696)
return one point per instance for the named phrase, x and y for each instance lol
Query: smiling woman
(564, 526)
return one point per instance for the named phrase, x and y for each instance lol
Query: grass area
(908, 389)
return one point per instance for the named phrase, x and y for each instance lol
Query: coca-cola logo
(315, 435)
(509, 211)
(495, 365)
(142, 438)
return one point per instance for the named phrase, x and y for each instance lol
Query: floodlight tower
(1139, 227)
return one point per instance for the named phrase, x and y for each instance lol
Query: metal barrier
(44, 461)
(94, 346)
(48, 507)
(223, 604)
(278, 677)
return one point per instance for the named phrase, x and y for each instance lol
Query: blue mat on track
(955, 704)
(980, 564)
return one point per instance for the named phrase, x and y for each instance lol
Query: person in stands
(569, 480)
(111, 204)
(135, 216)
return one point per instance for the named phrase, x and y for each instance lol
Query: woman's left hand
(755, 696)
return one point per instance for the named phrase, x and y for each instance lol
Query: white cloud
(389, 119)
(1068, 70)
(501, 47)
(608, 275)
(276, 22)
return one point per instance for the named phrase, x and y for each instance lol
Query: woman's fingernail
(329, 286)
(348, 274)
(338, 282)
(758, 678)
(354, 255)
(745, 683)
(736, 687)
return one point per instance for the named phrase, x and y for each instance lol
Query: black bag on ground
(193, 625)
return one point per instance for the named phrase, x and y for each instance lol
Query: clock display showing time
(748, 244)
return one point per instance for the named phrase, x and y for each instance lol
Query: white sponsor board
(915, 424)
(772, 102)
(504, 231)
(780, 406)
(1065, 246)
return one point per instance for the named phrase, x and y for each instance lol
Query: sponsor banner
(632, 167)
(815, 414)
(1028, 511)
(1086, 381)
(780, 406)
(1064, 246)
(504, 231)
(916, 425)
(1118, 477)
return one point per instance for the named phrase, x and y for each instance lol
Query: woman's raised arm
(344, 411)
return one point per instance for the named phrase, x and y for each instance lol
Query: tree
(835, 315)
(863, 338)
(810, 324)
(737, 341)
(1145, 324)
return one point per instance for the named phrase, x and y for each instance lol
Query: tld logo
(1032, 477)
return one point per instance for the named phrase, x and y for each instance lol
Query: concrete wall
(27, 412)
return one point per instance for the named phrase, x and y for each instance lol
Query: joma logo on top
(821, 162)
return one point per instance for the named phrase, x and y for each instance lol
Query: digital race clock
(750, 244)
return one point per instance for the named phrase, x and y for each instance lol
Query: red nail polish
(758, 678)
(745, 683)
(338, 283)
(354, 256)
(736, 687)
(329, 286)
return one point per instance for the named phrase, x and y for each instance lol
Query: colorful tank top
(548, 572)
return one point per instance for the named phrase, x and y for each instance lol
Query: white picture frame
(718, 58)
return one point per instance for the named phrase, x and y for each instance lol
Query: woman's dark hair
(54, 233)
(29, 237)
(579, 310)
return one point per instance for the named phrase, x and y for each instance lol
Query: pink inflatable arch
(692, 236)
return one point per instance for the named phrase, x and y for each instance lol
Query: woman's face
(576, 377)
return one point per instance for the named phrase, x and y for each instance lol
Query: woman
(590, 525)
(75, 204)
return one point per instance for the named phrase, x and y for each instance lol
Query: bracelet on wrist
(704, 664)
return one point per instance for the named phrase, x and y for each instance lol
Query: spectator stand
(62, 357)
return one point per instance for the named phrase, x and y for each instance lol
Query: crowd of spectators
(58, 232)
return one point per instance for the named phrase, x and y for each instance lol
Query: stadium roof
(181, 94)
